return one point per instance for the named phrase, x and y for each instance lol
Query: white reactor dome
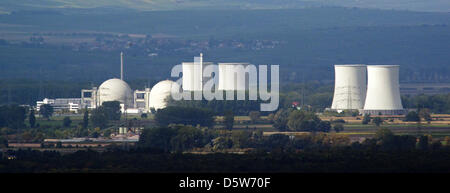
(159, 94)
(115, 90)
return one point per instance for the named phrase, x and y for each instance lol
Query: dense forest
(359, 158)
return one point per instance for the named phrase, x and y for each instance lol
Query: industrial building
(133, 102)
(142, 99)
(371, 89)
(61, 104)
(111, 90)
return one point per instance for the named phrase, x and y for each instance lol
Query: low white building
(61, 104)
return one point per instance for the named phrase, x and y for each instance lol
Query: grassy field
(352, 128)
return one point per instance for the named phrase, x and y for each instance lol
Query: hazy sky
(416, 5)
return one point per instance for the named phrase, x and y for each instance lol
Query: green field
(243, 123)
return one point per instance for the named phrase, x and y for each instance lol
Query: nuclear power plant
(232, 78)
(141, 101)
(380, 94)
(149, 100)
(368, 89)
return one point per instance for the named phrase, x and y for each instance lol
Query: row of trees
(300, 120)
(412, 116)
(219, 107)
(174, 138)
(439, 103)
(354, 158)
(376, 120)
(100, 116)
(12, 116)
(418, 116)
(108, 111)
(185, 115)
(283, 120)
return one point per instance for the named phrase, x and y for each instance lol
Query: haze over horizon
(7, 6)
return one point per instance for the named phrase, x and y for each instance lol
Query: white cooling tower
(192, 76)
(240, 78)
(225, 82)
(349, 87)
(231, 77)
(383, 92)
(188, 75)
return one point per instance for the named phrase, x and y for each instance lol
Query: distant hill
(147, 5)
(216, 22)
(311, 41)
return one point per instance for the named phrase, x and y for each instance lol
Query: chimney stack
(121, 65)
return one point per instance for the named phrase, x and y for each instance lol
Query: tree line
(20, 123)
(280, 153)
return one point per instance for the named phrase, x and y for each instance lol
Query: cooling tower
(226, 77)
(241, 83)
(231, 77)
(192, 76)
(349, 87)
(383, 92)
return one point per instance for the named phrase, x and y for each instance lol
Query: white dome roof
(159, 93)
(115, 90)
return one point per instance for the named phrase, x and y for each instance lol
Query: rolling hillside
(308, 40)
